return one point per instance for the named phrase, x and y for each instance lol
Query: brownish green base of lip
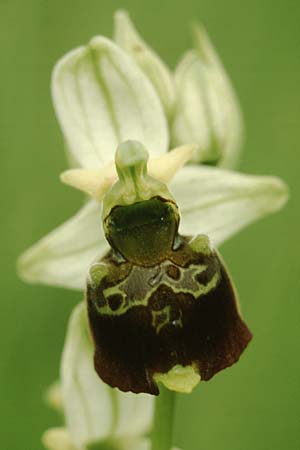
(178, 324)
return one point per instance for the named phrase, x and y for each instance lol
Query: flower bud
(207, 111)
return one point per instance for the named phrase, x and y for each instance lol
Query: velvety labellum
(181, 310)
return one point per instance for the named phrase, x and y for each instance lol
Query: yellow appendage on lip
(179, 379)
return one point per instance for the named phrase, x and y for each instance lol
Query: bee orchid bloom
(161, 305)
(103, 95)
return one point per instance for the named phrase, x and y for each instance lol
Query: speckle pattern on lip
(146, 320)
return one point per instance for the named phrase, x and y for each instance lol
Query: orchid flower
(106, 93)
(103, 95)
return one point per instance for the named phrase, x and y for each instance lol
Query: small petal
(219, 202)
(207, 111)
(102, 98)
(58, 439)
(63, 257)
(127, 37)
(166, 166)
(95, 412)
(96, 182)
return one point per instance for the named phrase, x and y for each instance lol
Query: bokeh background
(256, 404)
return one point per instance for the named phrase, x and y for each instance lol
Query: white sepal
(135, 413)
(219, 202)
(88, 405)
(102, 98)
(127, 37)
(63, 257)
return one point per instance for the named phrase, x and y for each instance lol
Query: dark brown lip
(205, 331)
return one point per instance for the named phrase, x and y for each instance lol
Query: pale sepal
(127, 37)
(63, 257)
(101, 98)
(135, 413)
(219, 202)
(207, 110)
(88, 404)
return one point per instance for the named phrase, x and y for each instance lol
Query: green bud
(207, 111)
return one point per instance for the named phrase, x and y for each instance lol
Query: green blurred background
(253, 406)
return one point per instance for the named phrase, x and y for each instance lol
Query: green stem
(163, 420)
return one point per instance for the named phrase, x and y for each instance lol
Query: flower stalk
(162, 435)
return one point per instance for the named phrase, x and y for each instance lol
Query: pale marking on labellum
(162, 318)
(141, 283)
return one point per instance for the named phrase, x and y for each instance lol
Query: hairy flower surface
(106, 93)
